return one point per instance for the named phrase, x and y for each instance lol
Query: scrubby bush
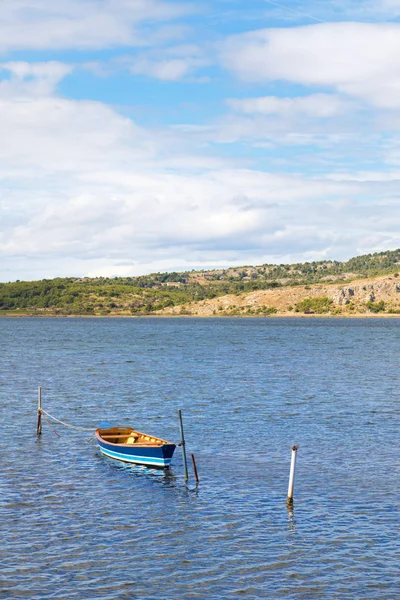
(376, 307)
(314, 305)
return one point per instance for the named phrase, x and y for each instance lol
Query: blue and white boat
(129, 445)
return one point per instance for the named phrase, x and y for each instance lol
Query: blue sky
(148, 135)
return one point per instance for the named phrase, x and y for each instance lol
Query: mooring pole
(183, 445)
(195, 468)
(291, 476)
(39, 412)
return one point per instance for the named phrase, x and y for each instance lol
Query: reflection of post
(183, 445)
(196, 476)
(291, 521)
(39, 412)
(291, 476)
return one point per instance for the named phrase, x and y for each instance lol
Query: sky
(140, 136)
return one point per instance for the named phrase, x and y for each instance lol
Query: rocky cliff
(364, 297)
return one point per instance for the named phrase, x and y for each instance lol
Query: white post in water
(291, 476)
(39, 412)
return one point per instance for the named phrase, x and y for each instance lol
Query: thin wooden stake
(195, 468)
(183, 446)
(291, 476)
(39, 412)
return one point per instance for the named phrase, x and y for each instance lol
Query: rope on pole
(51, 427)
(66, 424)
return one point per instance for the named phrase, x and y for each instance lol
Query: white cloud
(45, 24)
(86, 190)
(357, 59)
(173, 64)
(166, 70)
(54, 135)
(371, 9)
(311, 11)
(316, 105)
(27, 79)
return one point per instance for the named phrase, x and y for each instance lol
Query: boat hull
(150, 456)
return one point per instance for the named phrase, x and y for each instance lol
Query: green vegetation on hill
(103, 296)
(314, 305)
(146, 294)
(368, 265)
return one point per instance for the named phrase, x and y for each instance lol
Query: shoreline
(172, 316)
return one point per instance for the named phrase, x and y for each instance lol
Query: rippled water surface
(77, 525)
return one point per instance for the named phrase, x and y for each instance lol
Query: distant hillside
(368, 265)
(373, 296)
(173, 293)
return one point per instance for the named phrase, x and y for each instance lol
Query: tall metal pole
(39, 412)
(183, 445)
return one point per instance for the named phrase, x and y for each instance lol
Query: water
(77, 525)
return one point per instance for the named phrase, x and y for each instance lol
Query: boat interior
(119, 435)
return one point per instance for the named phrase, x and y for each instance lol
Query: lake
(78, 525)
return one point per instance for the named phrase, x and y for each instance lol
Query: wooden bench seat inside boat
(118, 438)
(132, 439)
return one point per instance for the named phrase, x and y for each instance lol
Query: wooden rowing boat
(129, 445)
